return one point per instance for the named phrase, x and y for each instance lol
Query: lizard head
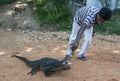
(66, 65)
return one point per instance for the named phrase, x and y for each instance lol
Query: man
(84, 20)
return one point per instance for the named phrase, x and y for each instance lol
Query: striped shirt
(86, 15)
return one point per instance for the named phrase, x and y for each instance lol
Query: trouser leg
(87, 41)
(75, 29)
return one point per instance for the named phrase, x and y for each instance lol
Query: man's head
(103, 15)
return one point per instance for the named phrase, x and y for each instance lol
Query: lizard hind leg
(33, 71)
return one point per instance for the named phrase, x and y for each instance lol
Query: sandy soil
(103, 63)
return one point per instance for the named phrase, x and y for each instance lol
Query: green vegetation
(112, 26)
(6, 1)
(57, 13)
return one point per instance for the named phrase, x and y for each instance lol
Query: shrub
(6, 1)
(110, 27)
(116, 11)
(54, 12)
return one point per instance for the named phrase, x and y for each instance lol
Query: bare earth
(103, 63)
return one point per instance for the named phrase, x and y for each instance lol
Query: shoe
(83, 58)
(67, 57)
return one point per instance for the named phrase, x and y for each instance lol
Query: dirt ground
(103, 63)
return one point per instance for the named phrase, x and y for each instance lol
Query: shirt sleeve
(88, 21)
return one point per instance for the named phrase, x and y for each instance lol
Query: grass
(56, 13)
(110, 27)
(6, 1)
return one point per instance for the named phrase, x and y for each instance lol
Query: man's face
(100, 20)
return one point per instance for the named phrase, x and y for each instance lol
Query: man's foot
(67, 57)
(83, 58)
(67, 60)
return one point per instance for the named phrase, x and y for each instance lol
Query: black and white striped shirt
(86, 15)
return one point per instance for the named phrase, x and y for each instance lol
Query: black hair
(105, 13)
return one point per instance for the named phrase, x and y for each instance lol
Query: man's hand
(73, 48)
